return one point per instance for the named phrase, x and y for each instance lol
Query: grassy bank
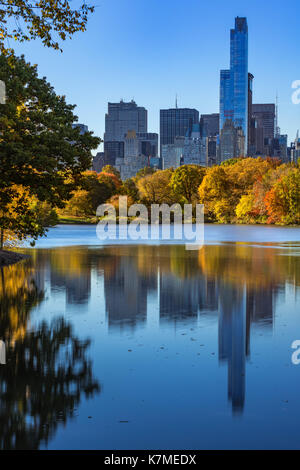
(68, 220)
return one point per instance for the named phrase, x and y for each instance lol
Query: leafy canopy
(47, 20)
(41, 153)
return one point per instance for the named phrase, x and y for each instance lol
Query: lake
(151, 346)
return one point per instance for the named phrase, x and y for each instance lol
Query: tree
(130, 189)
(40, 150)
(283, 200)
(185, 181)
(156, 188)
(214, 188)
(49, 21)
(111, 170)
(147, 170)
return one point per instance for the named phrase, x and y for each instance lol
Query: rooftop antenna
(176, 103)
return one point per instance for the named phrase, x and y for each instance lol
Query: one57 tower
(234, 95)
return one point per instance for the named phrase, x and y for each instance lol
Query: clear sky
(150, 50)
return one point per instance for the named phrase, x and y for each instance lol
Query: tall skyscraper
(234, 88)
(121, 118)
(175, 123)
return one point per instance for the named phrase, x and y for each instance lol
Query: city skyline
(94, 75)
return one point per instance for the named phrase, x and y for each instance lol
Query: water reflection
(234, 285)
(235, 282)
(46, 369)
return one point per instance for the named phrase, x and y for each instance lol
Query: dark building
(209, 124)
(251, 122)
(175, 123)
(264, 114)
(113, 150)
(212, 151)
(98, 162)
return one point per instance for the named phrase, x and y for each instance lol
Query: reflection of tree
(47, 370)
(257, 266)
(18, 295)
(46, 373)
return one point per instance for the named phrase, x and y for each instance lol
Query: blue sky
(150, 50)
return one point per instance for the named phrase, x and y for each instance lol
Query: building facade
(175, 123)
(194, 151)
(234, 86)
(120, 118)
(172, 154)
(209, 124)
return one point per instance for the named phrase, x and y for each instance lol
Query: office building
(212, 147)
(264, 115)
(194, 151)
(234, 87)
(172, 154)
(295, 150)
(139, 148)
(209, 124)
(82, 127)
(120, 118)
(112, 151)
(175, 123)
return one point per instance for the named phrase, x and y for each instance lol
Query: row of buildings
(241, 128)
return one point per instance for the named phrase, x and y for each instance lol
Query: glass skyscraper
(175, 122)
(234, 89)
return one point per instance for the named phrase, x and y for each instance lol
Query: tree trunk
(1, 238)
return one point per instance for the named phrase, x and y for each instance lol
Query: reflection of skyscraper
(126, 293)
(208, 298)
(232, 341)
(177, 299)
(77, 288)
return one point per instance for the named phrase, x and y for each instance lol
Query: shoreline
(11, 257)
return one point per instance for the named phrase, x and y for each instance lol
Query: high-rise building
(234, 87)
(250, 145)
(175, 123)
(139, 149)
(194, 151)
(172, 154)
(113, 150)
(264, 114)
(121, 118)
(295, 151)
(209, 124)
(212, 146)
(83, 128)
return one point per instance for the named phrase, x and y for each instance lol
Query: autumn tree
(185, 181)
(49, 21)
(283, 200)
(156, 188)
(95, 190)
(40, 150)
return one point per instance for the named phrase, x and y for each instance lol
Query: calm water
(152, 347)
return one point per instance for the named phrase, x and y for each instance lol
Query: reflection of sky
(176, 357)
(86, 235)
